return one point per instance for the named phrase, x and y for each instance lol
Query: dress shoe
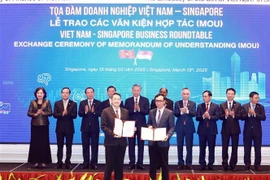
(93, 166)
(35, 166)
(59, 166)
(139, 166)
(232, 168)
(131, 167)
(68, 166)
(246, 168)
(188, 167)
(43, 166)
(85, 166)
(224, 168)
(202, 168)
(210, 168)
(257, 168)
(181, 167)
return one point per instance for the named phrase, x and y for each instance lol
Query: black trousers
(211, 141)
(247, 149)
(189, 145)
(114, 161)
(225, 145)
(160, 154)
(131, 148)
(60, 137)
(90, 138)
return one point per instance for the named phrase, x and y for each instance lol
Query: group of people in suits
(207, 113)
(160, 113)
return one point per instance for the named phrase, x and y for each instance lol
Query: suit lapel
(181, 103)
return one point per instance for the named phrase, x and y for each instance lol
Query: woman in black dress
(39, 110)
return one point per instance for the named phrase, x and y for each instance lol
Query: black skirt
(39, 150)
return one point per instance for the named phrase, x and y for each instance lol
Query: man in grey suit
(160, 117)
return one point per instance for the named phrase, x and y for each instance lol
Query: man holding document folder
(115, 144)
(160, 129)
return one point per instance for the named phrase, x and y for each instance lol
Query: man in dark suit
(107, 103)
(65, 110)
(138, 108)
(89, 112)
(168, 104)
(253, 113)
(185, 110)
(160, 117)
(230, 113)
(207, 115)
(115, 145)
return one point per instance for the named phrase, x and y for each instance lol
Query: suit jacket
(188, 118)
(65, 123)
(214, 113)
(230, 125)
(107, 125)
(253, 124)
(138, 116)
(41, 119)
(169, 104)
(166, 120)
(105, 104)
(89, 120)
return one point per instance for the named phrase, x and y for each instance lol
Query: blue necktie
(159, 116)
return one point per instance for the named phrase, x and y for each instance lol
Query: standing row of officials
(161, 115)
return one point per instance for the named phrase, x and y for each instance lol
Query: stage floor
(26, 167)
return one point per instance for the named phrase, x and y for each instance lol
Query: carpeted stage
(16, 171)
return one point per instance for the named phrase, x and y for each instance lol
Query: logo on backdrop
(5, 108)
(130, 54)
(44, 78)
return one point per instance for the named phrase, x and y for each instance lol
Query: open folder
(157, 134)
(124, 128)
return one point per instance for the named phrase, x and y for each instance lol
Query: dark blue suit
(230, 129)
(253, 131)
(140, 122)
(158, 150)
(207, 131)
(185, 128)
(64, 128)
(90, 131)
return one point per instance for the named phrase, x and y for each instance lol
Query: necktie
(253, 106)
(136, 103)
(230, 106)
(65, 105)
(185, 105)
(116, 114)
(89, 104)
(207, 107)
(159, 116)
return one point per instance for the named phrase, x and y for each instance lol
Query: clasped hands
(86, 109)
(39, 111)
(206, 115)
(229, 113)
(184, 110)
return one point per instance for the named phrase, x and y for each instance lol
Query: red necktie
(116, 114)
(185, 105)
(207, 123)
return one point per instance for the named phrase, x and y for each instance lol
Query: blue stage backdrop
(199, 46)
